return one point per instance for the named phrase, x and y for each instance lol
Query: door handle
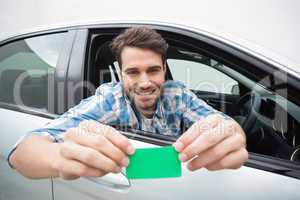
(114, 182)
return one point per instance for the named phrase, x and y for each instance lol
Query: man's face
(143, 73)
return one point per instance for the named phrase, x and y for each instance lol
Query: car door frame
(59, 77)
(218, 50)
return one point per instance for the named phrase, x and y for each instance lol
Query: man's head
(141, 54)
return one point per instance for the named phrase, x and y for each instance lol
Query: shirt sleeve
(98, 107)
(87, 109)
(195, 108)
(95, 107)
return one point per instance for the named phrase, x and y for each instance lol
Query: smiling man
(143, 100)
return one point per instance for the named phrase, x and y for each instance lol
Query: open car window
(275, 131)
(226, 90)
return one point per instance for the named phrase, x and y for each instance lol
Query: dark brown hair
(141, 37)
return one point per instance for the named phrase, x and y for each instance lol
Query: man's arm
(96, 151)
(214, 140)
(90, 154)
(213, 143)
(35, 156)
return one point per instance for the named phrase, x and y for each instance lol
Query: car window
(27, 67)
(203, 74)
(199, 74)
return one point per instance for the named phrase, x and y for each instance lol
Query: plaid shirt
(177, 109)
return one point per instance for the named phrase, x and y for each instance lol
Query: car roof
(263, 53)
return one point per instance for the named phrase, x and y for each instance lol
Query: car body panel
(202, 184)
(12, 184)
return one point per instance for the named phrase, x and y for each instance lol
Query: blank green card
(154, 163)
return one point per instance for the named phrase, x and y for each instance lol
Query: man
(142, 100)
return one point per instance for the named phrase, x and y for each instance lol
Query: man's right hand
(93, 149)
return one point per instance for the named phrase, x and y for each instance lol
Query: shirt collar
(159, 107)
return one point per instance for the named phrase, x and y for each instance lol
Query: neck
(147, 113)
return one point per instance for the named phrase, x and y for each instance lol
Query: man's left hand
(214, 143)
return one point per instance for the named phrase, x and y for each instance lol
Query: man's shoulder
(178, 91)
(113, 89)
(174, 88)
(174, 84)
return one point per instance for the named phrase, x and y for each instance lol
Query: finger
(217, 152)
(196, 129)
(68, 176)
(208, 139)
(71, 169)
(88, 156)
(101, 144)
(120, 141)
(233, 160)
(111, 134)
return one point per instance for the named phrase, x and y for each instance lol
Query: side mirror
(235, 89)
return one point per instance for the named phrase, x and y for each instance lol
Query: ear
(165, 67)
(165, 71)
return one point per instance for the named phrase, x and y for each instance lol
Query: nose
(144, 77)
(144, 85)
(144, 81)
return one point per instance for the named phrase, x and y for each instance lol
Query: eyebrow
(155, 66)
(136, 68)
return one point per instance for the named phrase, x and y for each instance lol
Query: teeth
(145, 93)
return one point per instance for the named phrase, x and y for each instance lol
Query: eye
(132, 72)
(154, 70)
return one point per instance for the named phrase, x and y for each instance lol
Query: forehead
(138, 57)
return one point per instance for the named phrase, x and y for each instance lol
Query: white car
(45, 72)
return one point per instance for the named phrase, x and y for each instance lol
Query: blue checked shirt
(177, 109)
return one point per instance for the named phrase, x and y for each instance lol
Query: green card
(154, 163)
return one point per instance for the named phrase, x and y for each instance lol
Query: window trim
(76, 67)
(27, 110)
(274, 165)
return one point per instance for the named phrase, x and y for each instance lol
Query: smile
(147, 92)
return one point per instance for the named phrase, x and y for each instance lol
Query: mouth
(146, 92)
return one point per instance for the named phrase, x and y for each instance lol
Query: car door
(31, 67)
(262, 177)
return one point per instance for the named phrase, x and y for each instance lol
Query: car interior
(271, 122)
